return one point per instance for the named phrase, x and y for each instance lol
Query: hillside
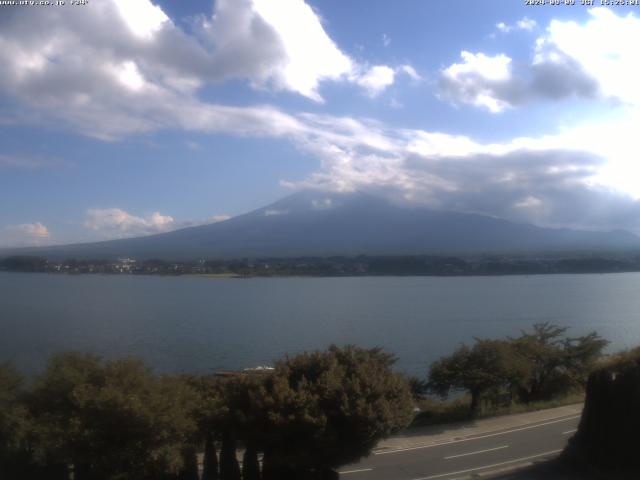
(316, 223)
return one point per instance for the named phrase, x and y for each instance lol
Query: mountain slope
(315, 223)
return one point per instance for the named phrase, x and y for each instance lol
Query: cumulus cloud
(108, 74)
(279, 42)
(554, 180)
(116, 223)
(479, 80)
(493, 83)
(503, 27)
(109, 223)
(123, 67)
(25, 235)
(525, 23)
(603, 48)
(127, 68)
(591, 60)
(376, 79)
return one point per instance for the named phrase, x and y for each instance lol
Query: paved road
(463, 457)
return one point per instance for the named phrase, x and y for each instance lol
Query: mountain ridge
(324, 224)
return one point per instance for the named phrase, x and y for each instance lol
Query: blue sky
(130, 117)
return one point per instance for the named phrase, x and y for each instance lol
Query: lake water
(200, 325)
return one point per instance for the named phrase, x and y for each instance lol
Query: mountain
(320, 224)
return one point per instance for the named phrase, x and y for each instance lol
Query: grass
(438, 412)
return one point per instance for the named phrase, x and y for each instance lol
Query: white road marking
(449, 442)
(522, 459)
(570, 431)
(476, 453)
(356, 471)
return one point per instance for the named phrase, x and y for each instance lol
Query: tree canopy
(537, 365)
(325, 409)
(111, 419)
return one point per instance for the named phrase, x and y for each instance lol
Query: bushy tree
(489, 368)
(538, 365)
(15, 427)
(558, 363)
(325, 409)
(111, 419)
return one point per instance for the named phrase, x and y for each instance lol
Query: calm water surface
(202, 324)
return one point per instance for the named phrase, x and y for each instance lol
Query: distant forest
(340, 266)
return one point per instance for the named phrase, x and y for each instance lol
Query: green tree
(111, 419)
(209, 412)
(488, 369)
(15, 427)
(326, 409)
(558, 364)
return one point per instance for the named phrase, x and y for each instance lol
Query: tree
(15, 427)
(325, 409)
(582, 355)
(489, 367)
(111, 419)
(538, 365)
(558, 364)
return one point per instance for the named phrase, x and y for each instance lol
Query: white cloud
(594, 60)
(525, 23)
(386, 40)
(604, 48)
(124, 68)
(503, 27)
(95, 72)
(476, 79)
(116, 223)
(281, 43)
(376, 79)
(556, 180)
(109, 223)
(411, 72)
(142, 17)
(25, 235)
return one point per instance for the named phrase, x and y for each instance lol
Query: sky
(122, 118)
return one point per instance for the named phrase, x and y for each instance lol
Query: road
(464, 457)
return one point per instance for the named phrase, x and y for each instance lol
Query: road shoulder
(436, 434)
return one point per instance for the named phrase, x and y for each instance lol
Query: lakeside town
(362, 265)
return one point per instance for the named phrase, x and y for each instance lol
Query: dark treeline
(108, 420)
(340, 266)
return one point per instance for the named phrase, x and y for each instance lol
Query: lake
(199, 324)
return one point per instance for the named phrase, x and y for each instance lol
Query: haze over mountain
(316, 223)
